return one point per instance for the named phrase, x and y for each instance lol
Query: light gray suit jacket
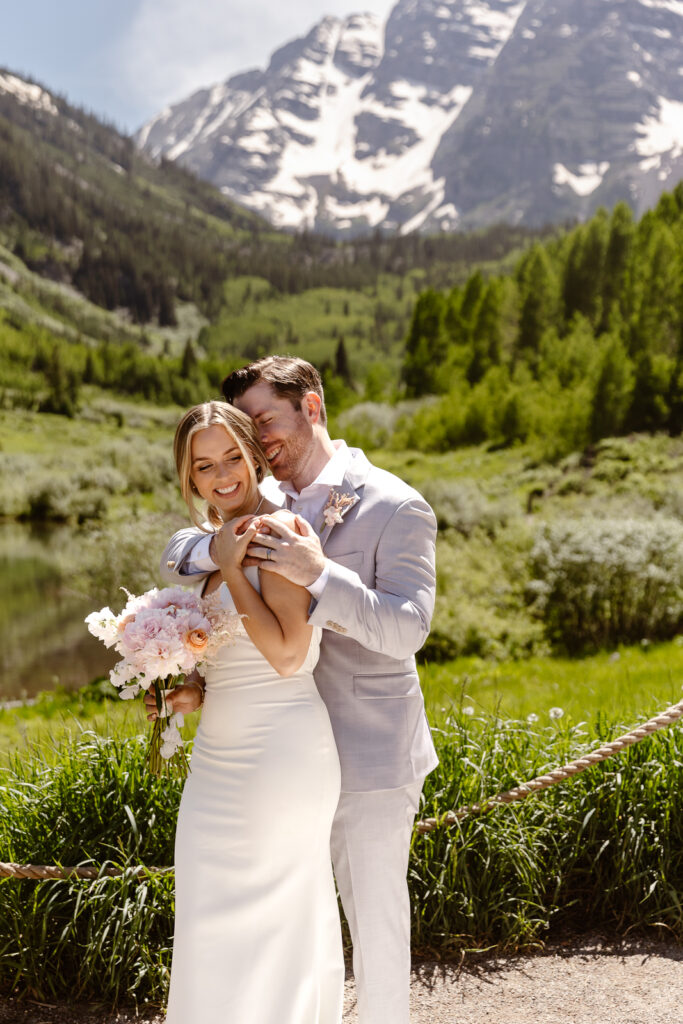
(375, 613)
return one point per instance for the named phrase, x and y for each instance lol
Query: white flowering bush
(369, 424)
(460, 505)
(599, 582)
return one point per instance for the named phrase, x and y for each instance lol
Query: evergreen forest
(584, 340)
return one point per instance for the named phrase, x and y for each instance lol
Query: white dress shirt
(307, 503)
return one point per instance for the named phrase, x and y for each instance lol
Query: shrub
(460, 505)
(368, 424)
(50, 499)
(144, 465)
(480, 604)
(106, 478)
(600, 582)
(124, 555)
(373, 424)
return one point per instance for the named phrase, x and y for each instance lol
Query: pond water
(43, 639)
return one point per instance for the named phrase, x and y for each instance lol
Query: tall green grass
(602, 850)
(622, 684)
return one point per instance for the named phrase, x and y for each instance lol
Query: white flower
(468, 709)
(104, 626)
(614, 656)
(122, 673)
(171, 733)
(128, 692)
(532, 718)
(332, 516)
(336, 506)
(556, 712)
(171, 738)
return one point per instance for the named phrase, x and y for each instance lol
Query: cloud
(171, 48)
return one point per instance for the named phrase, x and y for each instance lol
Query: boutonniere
(336, 505)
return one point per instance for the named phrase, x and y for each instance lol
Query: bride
(257, 934)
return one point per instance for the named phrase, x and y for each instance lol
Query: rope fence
(567, 771)
(541, 782)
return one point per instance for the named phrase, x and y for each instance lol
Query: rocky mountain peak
(452, 113)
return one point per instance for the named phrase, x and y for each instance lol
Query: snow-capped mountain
(453, 113)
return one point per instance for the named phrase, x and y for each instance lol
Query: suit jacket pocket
(350, 559)
(404, 684)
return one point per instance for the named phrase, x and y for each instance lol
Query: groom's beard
(296, 452)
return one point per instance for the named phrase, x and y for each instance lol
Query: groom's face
(285, 433)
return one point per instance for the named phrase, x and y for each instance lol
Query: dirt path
(591, 981)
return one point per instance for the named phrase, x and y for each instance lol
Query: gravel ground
(590, 981)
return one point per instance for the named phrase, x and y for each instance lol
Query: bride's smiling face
(220, 473)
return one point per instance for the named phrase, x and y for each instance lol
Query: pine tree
(583, 274)
(658, 317)
(341, 362)
(615, 293)
(613, 391)
(650, 404)
(538, 297)
(426, 345)
(189, 361)
(486, 333)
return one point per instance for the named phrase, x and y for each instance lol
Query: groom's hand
(295, 554)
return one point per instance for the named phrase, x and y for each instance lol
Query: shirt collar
(331, 475)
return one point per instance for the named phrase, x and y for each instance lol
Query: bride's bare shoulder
(284, 514)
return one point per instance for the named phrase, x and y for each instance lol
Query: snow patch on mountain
(661, 134)
(428, 116)
(584, 183)
(25, 92)
(372, 211)
(675, 6)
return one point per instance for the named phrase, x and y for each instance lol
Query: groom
(365, 551)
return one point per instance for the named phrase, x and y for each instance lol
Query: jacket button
(335, 626)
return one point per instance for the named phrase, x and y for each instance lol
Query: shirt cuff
(199, 559)
(316, 588)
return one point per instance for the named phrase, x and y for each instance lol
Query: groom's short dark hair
(289, 376)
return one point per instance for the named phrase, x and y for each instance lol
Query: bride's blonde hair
(242, 431)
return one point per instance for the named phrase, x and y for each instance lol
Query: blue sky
(127, 59)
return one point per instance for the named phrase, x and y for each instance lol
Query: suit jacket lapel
(352, 484)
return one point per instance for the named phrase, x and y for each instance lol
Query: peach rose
(196, 640)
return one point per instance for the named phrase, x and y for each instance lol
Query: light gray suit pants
(370, 846)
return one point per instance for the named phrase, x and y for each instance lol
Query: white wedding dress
(257, 932)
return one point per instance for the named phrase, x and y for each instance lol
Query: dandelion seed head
(556, 712)
(532, 718)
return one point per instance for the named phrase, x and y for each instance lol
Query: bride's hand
(185, 699)
(231, 542)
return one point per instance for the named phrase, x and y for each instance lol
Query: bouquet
(161, 637)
